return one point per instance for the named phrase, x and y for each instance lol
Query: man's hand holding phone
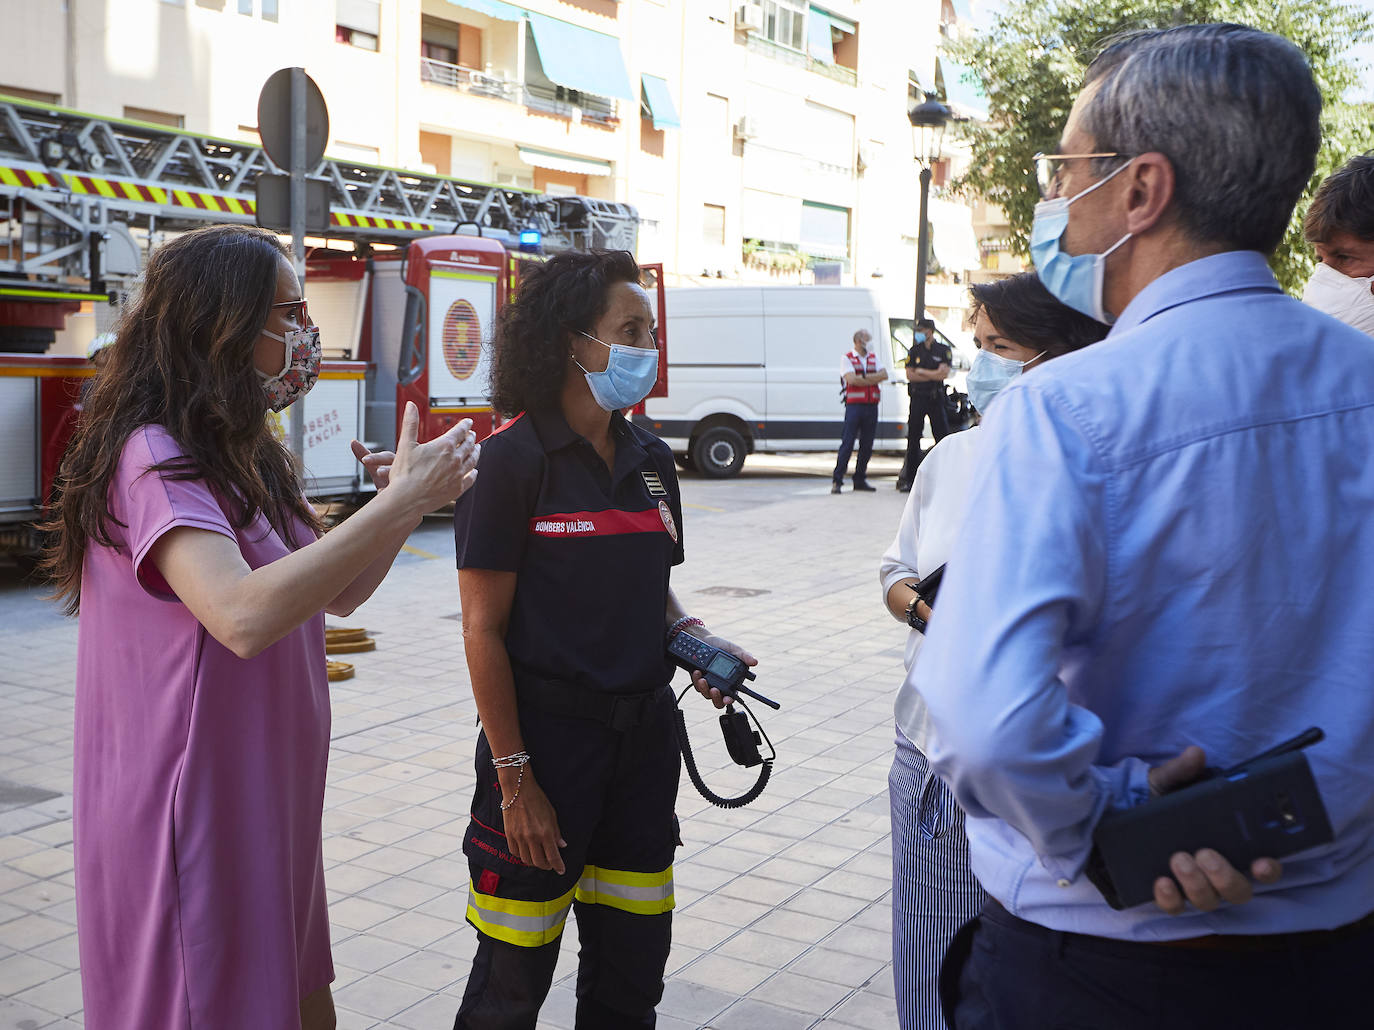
(1203, 879)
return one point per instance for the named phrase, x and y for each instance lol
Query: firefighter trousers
(612, 787)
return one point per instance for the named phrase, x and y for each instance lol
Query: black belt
(1298, 939)
(559, 697)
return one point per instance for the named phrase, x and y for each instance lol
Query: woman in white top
(1017, 327)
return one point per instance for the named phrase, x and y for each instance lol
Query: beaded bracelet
(682, 623)
(505, 805)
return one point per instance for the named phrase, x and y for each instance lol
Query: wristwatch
(912, 619)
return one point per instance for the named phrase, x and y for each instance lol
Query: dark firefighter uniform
(592, 550)
(925, 400)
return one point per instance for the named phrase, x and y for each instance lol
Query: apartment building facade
(760, 140)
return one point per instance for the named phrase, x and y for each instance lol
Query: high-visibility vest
(861, 394)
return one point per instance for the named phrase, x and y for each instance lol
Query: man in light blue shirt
(1170, 547)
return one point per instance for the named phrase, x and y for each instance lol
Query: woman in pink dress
(202, 707)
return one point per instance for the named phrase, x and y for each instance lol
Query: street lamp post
(928, 121)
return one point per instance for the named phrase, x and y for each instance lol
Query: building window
(713, 224)
(269, 10)
(36, 95)
(825, 229)
(246, 7)
(718, 117)
(784, 22)
(436, 150)
(144, 114)
(439, 40)
(357, 23)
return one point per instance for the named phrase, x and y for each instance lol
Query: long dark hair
(182, 359)
(1027, 313)
(529, 351)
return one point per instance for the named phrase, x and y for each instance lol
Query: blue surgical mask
(990, 375)
(630, 374)
(1075, 279)
(919, 337)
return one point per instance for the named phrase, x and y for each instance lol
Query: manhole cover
(16, 795)
(731, 591)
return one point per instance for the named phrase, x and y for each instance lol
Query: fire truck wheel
(718, 452)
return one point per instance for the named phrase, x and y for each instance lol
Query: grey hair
(1235, 111)
(862, 336)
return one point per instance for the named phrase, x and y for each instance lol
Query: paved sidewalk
(782, 918)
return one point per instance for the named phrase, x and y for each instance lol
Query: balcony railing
(467, 80)
(554, 100)
(787, 55)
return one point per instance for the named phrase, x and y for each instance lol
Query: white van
(758, 368)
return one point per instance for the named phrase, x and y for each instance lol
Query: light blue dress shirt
(1170, 541)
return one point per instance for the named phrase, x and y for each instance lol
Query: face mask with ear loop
(1346, 297)
(629, 375)
(1075, 279)
(300, 370)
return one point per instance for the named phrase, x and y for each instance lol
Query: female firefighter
(564, 545)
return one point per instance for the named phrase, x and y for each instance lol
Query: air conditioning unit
(747, 127)
(749, 17)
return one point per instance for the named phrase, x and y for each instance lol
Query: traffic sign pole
(296, 421)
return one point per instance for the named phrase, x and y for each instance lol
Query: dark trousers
(613, 793)
(620, 958)
(925, 403)
(860, 420)
(1003, 973)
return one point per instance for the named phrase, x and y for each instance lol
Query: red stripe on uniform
(612, 522)
(507, 424)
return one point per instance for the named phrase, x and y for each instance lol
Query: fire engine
(404, 307)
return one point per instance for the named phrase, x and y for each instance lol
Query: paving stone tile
(414, 928)
(693, 1003)
(19, 972)
(731, 975)
(369, 953)
(766, 949)
(757, 1015)
(61, 995)
(796, 926)
(379, 997)
(838, 967)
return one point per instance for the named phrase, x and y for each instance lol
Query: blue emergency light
(531, 239)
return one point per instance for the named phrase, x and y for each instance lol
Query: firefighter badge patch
(666, 514)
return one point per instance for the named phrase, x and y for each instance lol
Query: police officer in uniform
(564, 545)
(928, 365)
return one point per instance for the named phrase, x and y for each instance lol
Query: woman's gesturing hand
(531, 823)
(436, 472)
(377, 463)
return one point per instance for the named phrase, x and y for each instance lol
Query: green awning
(492, 9)
(660, 102)
(580, 59)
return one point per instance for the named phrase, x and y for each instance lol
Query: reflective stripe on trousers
(642, 894)
(532, 924)
(528, 924)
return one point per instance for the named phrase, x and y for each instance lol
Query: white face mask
(1342, 296)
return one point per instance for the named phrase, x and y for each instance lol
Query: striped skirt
(934, 893)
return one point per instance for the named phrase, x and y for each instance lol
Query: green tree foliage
(1030, 64)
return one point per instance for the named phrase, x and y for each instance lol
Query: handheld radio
(727, 674)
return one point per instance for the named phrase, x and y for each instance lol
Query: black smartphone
(1267, 807)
